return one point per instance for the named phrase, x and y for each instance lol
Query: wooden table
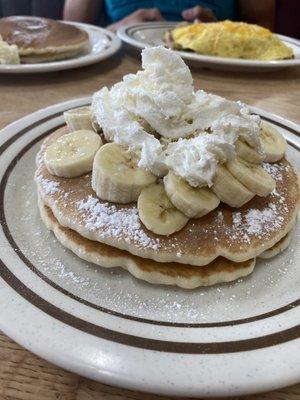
(26, 377)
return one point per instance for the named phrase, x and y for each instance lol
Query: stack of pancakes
(219, 247)
(43, 40)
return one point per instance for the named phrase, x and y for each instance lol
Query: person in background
(40, 8)
(117, 13)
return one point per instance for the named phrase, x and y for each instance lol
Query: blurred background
(286, 18)
(41, 8)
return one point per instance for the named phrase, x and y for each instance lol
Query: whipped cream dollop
(194, 130)
(196, 159)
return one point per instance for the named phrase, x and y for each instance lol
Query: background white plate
(151, 34)
(103, 44)
(229, 339)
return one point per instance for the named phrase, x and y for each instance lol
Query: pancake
(279, 247)
(185, 276)
(236, 234)
(229, 39)
(48, 57)
(40, 39)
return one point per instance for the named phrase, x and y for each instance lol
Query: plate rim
(22, 122)
(245, 320)
(224, 61)
(72, 63)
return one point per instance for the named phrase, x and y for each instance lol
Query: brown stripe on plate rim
(85, 302)
(141, 342)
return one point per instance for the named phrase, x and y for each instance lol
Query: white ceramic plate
(230, 339)
(103, 44)
(151, 34)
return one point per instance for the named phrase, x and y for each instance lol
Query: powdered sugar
(237, 218)
(259, 220)
(115, 222)
(275, 170)
(49, 187)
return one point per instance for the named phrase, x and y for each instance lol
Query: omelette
(229, 39)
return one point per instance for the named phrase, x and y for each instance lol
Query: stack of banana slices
(166, 206)
(171, 213)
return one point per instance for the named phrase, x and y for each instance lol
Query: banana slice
(252, 176)
(116, 177)
(191, 201)
(244, 151)
(79, 118)
(157, 212)
(273, 143)
(229, 189)
(72, 154)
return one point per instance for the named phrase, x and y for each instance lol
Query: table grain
(23, 375)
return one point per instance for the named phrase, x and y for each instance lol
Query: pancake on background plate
(43, 40)
(229, 39)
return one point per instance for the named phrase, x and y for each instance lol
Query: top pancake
(236, 234)
(34, 35)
